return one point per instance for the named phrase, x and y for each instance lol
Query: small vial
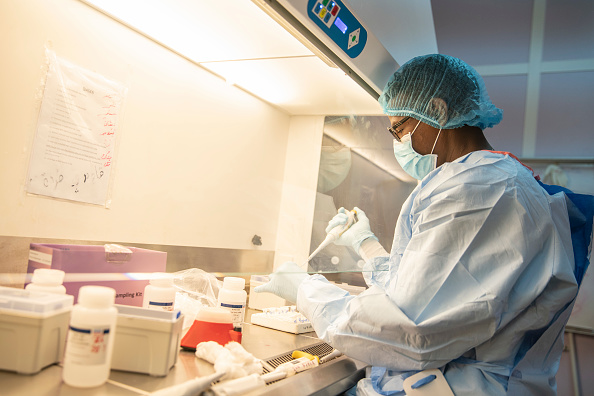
(160, 293)
(233, 297)
(47, 280)
(87, 359)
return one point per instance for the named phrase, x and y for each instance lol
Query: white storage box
(284, 319)
(146, 341)
(33, 329)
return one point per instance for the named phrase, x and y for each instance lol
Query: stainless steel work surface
(48, 382)
(330, 378)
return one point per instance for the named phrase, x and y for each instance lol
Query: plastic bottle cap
(214, 315)
(48, 276)
(96, 296)
(233, 283)
(162, 279)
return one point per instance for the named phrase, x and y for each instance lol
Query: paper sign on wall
(74, 147)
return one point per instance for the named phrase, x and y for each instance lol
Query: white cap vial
(47, 280)
(160, 293)
(233, 283)
(161, 279)
(51, 277)
(87, 358)
(97, 297)
(233, 297)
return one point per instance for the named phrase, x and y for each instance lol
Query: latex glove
(285, 281)
(356, 234)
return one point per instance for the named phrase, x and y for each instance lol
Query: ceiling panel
(509, 94)
(483, 32)
(569, 30)
(565, 115)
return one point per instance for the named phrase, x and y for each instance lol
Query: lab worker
(481, 277)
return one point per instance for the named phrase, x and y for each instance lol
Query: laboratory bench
(330, 378)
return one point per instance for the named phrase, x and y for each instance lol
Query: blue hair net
(412, 90)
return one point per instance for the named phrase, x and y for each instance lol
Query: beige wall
(200, 162)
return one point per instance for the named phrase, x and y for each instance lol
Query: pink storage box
(127, 272)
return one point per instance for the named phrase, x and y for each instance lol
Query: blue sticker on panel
(339, 24)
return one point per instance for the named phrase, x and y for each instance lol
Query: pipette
(335, 233)
(243, 385)
(190, 387)
(330, 356)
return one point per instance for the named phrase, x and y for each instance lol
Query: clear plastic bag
(195, 289)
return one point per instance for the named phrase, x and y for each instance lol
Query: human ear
(439, 106)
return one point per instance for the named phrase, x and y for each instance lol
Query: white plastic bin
(33, 329)
(147, 341)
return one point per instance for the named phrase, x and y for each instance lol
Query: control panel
(335, 19)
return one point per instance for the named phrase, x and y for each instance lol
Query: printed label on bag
(87, 346)
(40, 257)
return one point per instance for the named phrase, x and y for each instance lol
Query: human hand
(356, 234)
(285, 281)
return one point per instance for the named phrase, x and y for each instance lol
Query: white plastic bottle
(87, 359)
(233, 297)
(160, 293)
(47, 280)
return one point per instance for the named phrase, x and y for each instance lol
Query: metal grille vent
(320, 350)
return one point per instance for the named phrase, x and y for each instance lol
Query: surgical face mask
(413, 163)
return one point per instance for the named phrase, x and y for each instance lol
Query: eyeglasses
(394, 132)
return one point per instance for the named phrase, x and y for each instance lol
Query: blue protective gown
(479, 282)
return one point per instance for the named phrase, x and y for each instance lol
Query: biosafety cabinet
(244, 126)
(220, 125)
(215, 149)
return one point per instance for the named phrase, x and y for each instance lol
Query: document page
(75, 141)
